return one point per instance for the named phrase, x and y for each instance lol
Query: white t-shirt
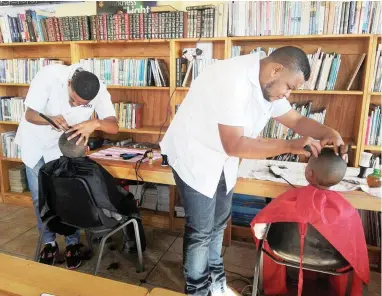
(227, 92)
(48, 94)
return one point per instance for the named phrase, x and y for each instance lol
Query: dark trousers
(206, 219)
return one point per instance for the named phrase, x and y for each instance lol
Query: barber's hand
(297, 146)
(84, 129)
(334, 138)
(60, 121)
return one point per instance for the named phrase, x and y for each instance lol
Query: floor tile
(24, 216)
(8, 209)
(11, 230)
(24, 245)
(168, 273)
(240, 254)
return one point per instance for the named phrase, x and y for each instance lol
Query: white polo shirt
(227, 92)
(48, 94)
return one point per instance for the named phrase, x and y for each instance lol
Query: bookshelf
(346, 110)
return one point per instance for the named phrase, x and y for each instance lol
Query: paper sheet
(294, 172)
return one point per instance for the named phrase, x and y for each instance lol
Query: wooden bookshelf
(372, 97)
(346, 110)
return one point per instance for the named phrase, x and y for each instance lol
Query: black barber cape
(103, 186)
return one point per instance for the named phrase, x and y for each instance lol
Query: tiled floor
(162, 258)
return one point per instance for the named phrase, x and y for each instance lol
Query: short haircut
(292, 58)
(85, 84)
(69, 148)
(328, 168)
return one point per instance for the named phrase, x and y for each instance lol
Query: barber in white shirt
(219, 121)
(68, 95)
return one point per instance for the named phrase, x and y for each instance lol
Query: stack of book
(129, 115)
(11, 108)
(377, 77)
(374, 128)
(156, 197)
(276, 130)
(163, 198)
(22, 70)
(371, 221)
(9, 147)
(129, 72)
(18, 179)
(245, 208)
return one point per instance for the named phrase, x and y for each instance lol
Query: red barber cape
(330, 214)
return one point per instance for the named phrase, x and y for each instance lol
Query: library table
(155, 173)
(21, 277)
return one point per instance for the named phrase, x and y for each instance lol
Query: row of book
(129, 115)
(32, 27)
(377, 77)
(10, 148)
(12, 108)
(374, 128)
(259, 18)
(129, 72)
(277, 130)
(324, 68)
(230, 18)
(22, 70)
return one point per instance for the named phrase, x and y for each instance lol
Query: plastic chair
(71, 200)
(284, 241)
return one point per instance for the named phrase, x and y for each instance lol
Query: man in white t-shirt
(218, 123)
(68, 95)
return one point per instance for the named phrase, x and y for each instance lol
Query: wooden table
(20, 277)
(164, 292)
(155, 173)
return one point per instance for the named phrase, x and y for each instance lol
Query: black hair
(292, 58)
(85, 84)
(69, 148)
(329, 168)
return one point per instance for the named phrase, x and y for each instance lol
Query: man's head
(69, 148)
(326, 170)
(83, 87)
(284, 70)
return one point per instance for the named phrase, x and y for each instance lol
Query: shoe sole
(74, 267)
(55, 255)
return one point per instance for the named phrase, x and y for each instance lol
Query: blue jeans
(32, 176)
(206, 219)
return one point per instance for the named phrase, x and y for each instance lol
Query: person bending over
(116, 202)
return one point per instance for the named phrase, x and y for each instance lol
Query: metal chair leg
(257, 269)
(90, 242)
(100, 252)
(140, 267)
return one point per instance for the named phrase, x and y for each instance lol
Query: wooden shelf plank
(10, 122)
(14, 84)
(34, 43)
(300, 37)
(23, 199)
(328, 92)
(374, 93)
(373, 148)
(11, 159)
(108, 86)
(312, 92)
(200, 39)
(144, 130)
(137, 87)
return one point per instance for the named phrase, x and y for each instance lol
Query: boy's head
(69, 148)
(326, 170)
